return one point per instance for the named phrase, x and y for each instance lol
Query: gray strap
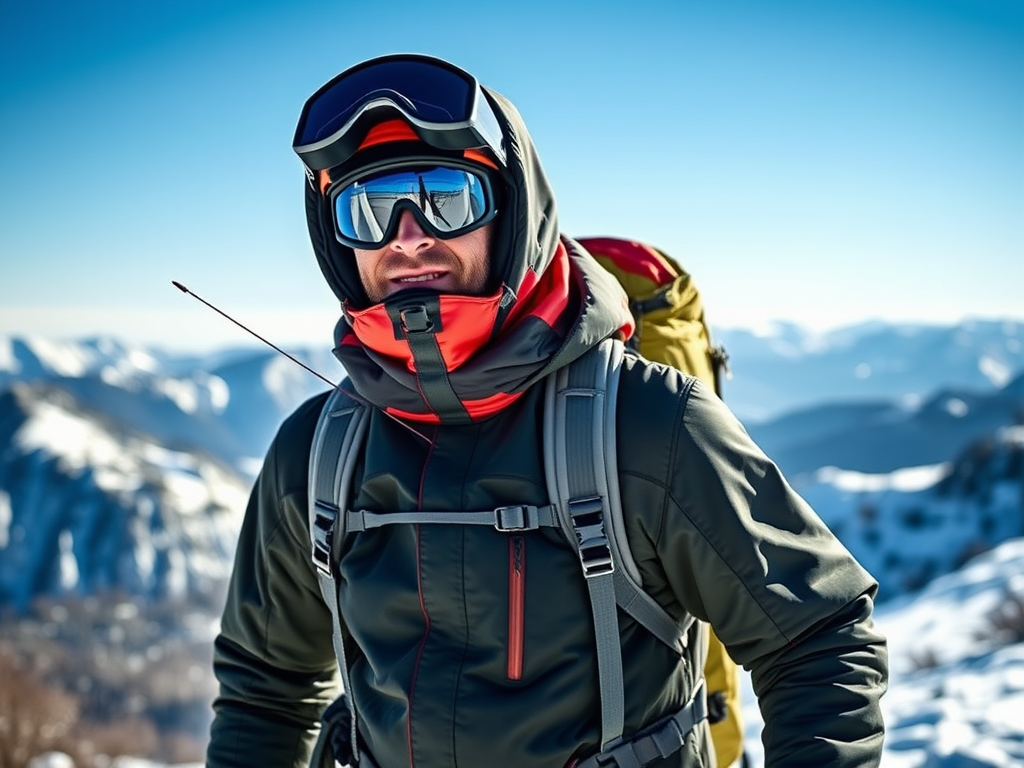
(574, 433)
(581, 469)
(656, 742)
(340, 431)
(629, 590)
(504, 519)
(631, 598)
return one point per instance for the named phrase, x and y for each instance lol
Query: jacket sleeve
(274, 656)
(742, 550)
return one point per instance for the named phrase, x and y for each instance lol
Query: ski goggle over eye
(447, 202)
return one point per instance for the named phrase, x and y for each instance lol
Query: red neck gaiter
(437, 358)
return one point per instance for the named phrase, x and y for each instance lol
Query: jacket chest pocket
(516, 605)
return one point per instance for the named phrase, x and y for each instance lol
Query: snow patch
(142, 361)
(5, 518)
(1012, 435)
(68, 566)
(996, 371)
(8, 361)
(956, 407)
(183, 393)
(909, 479)
(63, 359)
(51, 760)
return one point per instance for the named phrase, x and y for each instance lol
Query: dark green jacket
(714, 528)
(429, 609)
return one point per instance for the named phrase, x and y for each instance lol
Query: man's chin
(442, 287)
(425, 290)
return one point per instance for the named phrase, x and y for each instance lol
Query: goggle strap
(478, 156)
(389, 130)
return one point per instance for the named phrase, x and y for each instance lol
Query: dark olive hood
(528, 225)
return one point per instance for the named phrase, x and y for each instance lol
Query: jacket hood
(526, 236)
(455, 359)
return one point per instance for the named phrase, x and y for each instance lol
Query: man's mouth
(426, 277)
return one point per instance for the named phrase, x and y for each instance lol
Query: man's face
(416, 259)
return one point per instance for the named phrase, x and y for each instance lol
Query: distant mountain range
(884, 435)
(786, 367)
(128, 468)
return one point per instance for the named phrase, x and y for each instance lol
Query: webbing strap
(505, 519)
(419, 322)
(580, 462)
(575, 466)
(340, 430)
(655, 742)
(645, 611)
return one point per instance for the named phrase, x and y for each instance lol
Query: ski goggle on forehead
(447, 201)
(444, 105)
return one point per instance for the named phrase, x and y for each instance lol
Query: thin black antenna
(295, 360)
(183, 289)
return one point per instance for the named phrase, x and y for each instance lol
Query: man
(433, 222)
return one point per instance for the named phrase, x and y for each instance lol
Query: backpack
(579, 460)
(671, 329)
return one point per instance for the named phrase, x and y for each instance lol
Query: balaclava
(447, 358)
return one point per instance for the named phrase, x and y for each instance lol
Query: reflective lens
(444, 105)
(447, 201)
(433, 94)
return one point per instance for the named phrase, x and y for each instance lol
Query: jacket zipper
(516, 605)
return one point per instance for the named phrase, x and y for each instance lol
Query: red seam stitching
(423, 605)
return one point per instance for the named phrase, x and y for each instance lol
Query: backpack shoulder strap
(340, 432)
(580, 462)
(575, 398)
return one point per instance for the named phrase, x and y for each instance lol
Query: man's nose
(410, 236)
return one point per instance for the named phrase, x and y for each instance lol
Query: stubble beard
(466, 281)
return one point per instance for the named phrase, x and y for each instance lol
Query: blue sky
(821, 162)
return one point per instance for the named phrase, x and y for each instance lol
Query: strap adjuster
(518, 518)
(595, 552)
(323, 533)
(655, 742)
(415, 319)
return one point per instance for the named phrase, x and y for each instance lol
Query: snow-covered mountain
(227, 403)
(775, 370)
(91, 503)
(880, 436)
(785, 367)
(914, 524)
(956, 670)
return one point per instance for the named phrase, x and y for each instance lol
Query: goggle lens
(432, 93)
(447, 201)
(444, 105)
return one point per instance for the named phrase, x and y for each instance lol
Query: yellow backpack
(671, 329)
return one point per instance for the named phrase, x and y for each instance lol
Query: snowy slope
(914, 524)
(956, 688)
(89, 503)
